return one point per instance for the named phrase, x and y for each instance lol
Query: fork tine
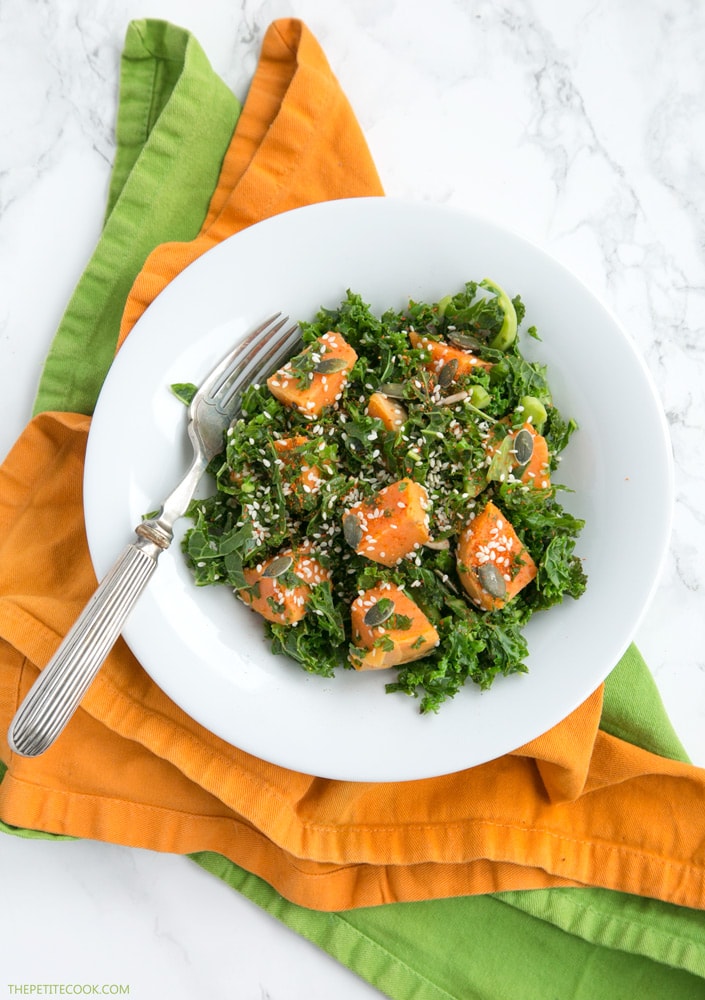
(244, 355)
(217, 375)
(255, 366)
(275, 357)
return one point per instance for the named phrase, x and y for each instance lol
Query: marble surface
(580, 125)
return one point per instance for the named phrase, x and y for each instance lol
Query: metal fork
(58, 690)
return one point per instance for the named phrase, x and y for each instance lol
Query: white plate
(206, 650)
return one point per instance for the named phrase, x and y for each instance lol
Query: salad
(386, 500)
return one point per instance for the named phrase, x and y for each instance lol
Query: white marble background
(580, 124)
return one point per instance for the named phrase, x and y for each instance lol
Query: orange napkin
(574, 807)
(297, 142)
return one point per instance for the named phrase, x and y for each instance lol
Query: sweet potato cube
(391, 525)
(277, 598)
(405, 634)
(392, 414)
(537, 471)
(493, 564)
(311, 392)
(443, 353)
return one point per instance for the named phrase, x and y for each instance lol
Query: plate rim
(293, 217)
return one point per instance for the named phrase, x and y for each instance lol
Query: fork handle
(55, 695)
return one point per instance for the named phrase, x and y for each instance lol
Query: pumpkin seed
(328, 366)
(457, 397)
(395, 390)
(491, 580)
(379, 612)
(523, 447)
(352, 530)
(438, 545)
(464, 340)
(278, 566)
(448, 373)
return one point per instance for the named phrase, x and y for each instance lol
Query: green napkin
(175, 120)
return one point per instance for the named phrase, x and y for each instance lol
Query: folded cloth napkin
(606, 800)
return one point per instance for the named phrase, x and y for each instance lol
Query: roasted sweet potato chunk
(537, 471)
(392, 414)
(404, 633)
(271, 591)
(391, 525)
(459, 362)
(493, 564)
(525, 440)
(316, 385)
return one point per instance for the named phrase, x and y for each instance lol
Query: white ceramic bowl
(207, 651)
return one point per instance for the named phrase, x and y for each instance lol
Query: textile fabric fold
(574, 808)
(297, 142)
(571, 807)
(172, 107)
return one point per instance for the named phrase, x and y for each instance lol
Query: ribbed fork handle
(56, 693)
